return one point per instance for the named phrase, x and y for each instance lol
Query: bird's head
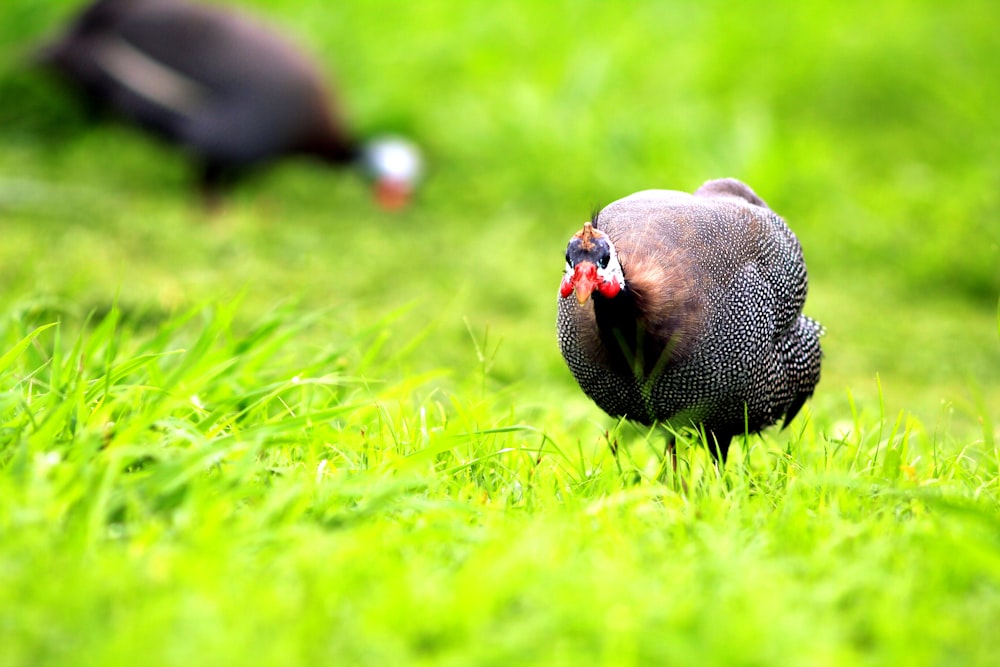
(591, 264)
(394, 165)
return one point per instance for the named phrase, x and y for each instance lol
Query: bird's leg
(670, 450)
(670, 459)
(213, 180)
(613, 446)
(718, 444)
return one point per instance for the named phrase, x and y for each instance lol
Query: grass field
(304, 431)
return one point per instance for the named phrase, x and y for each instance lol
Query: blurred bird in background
(229, 91)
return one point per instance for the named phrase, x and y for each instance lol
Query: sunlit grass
(303, 431)
(189, 488)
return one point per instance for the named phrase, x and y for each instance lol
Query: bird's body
(227, 89)
(705, 328)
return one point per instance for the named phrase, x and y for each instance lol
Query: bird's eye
(603, 261)
(567, 259)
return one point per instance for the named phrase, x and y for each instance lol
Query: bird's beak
(392, 194)
(584, 281)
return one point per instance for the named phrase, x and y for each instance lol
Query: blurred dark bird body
(689, 312)
(228, 90)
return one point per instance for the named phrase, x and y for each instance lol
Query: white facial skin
(612, 273)
(393, 159)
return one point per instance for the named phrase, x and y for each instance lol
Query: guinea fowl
(688, 311)
(228, 90)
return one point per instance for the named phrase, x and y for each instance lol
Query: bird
(685, 310)
(227, 89)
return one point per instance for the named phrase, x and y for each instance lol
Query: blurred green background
(869, 126)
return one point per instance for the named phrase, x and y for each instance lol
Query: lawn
(306, 431)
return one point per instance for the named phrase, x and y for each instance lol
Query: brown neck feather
(655, 320)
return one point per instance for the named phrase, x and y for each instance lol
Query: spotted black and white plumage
(708, 328)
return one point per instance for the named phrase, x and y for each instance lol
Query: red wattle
(609, 288)
(566, 288)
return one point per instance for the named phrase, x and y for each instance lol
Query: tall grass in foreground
(199, 492)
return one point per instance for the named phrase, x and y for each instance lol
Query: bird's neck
(625, 335)
(332, 145)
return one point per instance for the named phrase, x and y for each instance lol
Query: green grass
(305, 431)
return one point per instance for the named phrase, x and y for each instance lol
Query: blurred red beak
(392, 195)
(584, 281)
